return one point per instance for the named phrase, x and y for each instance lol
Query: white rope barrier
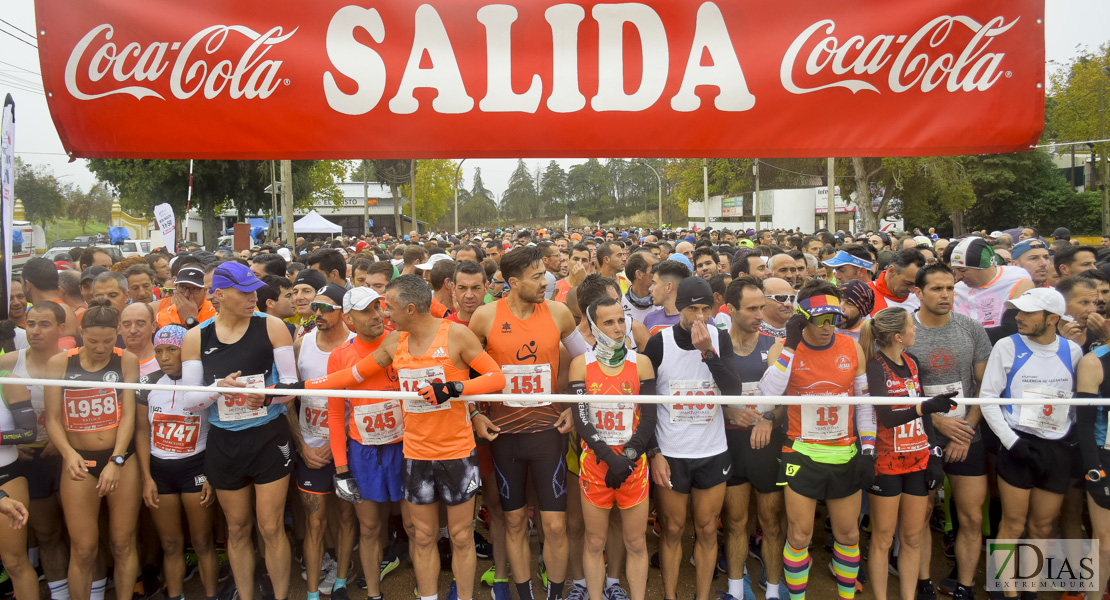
(564, 398)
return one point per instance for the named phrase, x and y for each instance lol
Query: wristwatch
(868, 452)
(3, 494)
(631, 454)
(709, 354)
(118, 460)
(190, 322)
(456, 386)
(769, 415)
(1095, 475)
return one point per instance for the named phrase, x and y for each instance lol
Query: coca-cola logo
(98, 67)
(928, 59)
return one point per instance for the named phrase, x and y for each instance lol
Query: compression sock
(340, 582)
(524, 590)
(554, 590)
(59, 590)
(313, 595)
(795, 569)
(845, 563)
(96, 592)
(772, 591)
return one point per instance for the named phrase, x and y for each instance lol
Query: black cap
(313, 278)
(333, 292)
(91, 272)
(190, 274)
(1061, 233)
(693, 290)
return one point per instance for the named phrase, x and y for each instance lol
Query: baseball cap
(1061, 233)
(974, 253)
(693, 290)
(432, 260)
(1026, 245)
(311, 278)
(190, 275)
(92, 272)
(820, 305)
(996, 234)
(744, 243)
(333, 292)
(235, 275)
(359, 298)
(690, 238)
(923, 241)
(361, 245)
(681, 258)
(1037, 299)
(843, 258)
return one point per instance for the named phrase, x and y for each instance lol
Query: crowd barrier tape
(564, 398)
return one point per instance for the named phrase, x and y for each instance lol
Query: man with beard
(894, 286)
(636, 301)
(859, 300)
(469, 290)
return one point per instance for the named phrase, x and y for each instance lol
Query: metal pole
(831, 220)
(659, 181)
(755, 199)
(287, 203)
(412, 193)
(1106, 166)
(457, 170)
(705, 188)
(365, 197)
(273, 202)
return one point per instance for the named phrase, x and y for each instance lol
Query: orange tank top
(615, 421)
(368, 425)
(528, 352)
(432, 432)
(828, 371)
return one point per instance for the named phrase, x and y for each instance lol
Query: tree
(520, 201)
(94, 205)
(40, 192)
(1022, 189)
(394, 173)
(553, 189)
(435, 188)
(476, 206)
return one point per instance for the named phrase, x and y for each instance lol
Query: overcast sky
(1070, 26)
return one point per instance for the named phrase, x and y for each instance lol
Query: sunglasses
(781, 298)
(323, 307)
(825, 319)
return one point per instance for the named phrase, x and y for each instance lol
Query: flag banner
(264, 79)
(7, 192)
(163, 215)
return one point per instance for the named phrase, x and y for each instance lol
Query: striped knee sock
(845, 561)
(795, 567)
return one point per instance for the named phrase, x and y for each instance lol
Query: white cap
(1038, 299)
(358, 298)
(995, 234)
(432, 260)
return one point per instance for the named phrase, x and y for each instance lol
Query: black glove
(296, 385)
(620, 468)
(347, 488)
(934, 472)
(794, 328)
(940, 403)
(1099, 491)
(1028, 453)
(865, 470)
(441, 392)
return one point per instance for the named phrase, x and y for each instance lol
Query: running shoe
(963, 592)
(926, 591)
(6, 585)
(1072, 596)
(612, 592)
(327, 582)
(483, 515)
(388, 566)
(452, 592)
(722, 595)
(755, 546)
(192, 564)
(444, 545)
(892, 564)
(340, 594)
(653, 560)
(948, 544)
(482, 546)
(326, 564)
(542, 569)
(501, 590)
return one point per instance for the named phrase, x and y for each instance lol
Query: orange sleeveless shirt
(829, 371)
(432, 432)
(528, 352)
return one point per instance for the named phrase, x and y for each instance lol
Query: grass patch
(61, 229)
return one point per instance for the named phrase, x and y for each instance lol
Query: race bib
(175, 433)
(943, 388)
(234, 408)
(751, 388)
(1047, 417)
(613, 421)
(40, 418)
(824, 423)
(693, 413)
(379, 423)
(412, 380)
(910, 437)
(526, 379)
(314, 417)
(91, 410)
(989, 311)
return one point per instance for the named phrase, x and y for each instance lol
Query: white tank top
(689, 427)
(1041, 373)
(37, 403)
(175, 433)
(986, 304)
(8, 454)
(312, 363)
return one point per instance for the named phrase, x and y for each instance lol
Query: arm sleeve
(576, 345)
(993, 386)
(727, 380)
(865, 425)
(588, 432)
(345, 378)
(337, 421)
(26, 425)
(192, 373)
(888, 416)
(490, 379)
(642, 438)
(1085, 432)
(286, 363)
(775, 378)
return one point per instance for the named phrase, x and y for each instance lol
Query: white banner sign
(163, 215)
(7, 185)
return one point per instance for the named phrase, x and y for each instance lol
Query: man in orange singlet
(522, 332)
(432, 357)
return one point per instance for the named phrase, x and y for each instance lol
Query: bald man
(780, 306)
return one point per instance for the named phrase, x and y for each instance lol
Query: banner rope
(562, 398)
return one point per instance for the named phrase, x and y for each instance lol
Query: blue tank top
(252, 354)
(1103, 354)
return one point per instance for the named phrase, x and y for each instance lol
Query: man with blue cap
(851, 262)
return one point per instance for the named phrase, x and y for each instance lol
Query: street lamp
(457, 170)
(659, 180)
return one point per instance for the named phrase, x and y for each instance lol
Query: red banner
(670, 78)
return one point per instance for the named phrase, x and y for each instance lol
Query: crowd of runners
(106, 488)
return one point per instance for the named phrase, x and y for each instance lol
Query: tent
(314, 223)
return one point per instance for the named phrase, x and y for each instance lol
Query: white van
(135, 248)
